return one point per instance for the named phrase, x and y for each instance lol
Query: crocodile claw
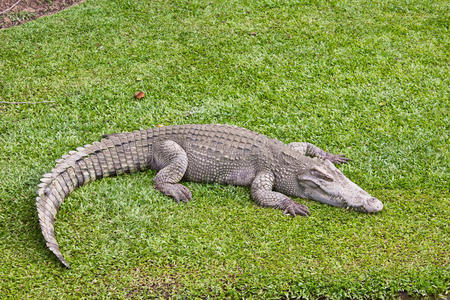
(294, 209)
(177, 191)
(337, 158)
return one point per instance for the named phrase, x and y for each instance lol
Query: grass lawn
(369, 79)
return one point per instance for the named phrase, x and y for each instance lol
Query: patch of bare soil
(16, 12)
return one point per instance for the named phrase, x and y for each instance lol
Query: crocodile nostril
(373, 205)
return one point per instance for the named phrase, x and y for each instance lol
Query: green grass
(364, 78)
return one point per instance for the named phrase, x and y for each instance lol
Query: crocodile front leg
(314, 151)
(171, 159)
(262, 194)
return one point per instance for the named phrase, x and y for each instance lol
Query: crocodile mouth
(370, 205)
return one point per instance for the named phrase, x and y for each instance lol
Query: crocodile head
(325, 183)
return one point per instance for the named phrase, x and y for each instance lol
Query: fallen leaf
(139, 95)
(253, 33)
(159, 125)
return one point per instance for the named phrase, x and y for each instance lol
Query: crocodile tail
(114, 155)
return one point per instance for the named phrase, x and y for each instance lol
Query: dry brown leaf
(139, 95)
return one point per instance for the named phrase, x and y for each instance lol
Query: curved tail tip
(64, 262)
(60, 258)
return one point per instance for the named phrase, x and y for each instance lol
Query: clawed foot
(337, 158)
(177, 191)
(295, 209)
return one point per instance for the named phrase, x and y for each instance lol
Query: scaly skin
(205, 153)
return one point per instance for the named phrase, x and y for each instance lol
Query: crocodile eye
(319, 174)
(311, 184)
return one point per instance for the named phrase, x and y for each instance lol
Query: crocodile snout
(373, 205)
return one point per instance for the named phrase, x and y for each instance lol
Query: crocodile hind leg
(172, 162)
(314, 151)
(262, 194)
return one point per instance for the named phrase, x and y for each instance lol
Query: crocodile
(205, 153)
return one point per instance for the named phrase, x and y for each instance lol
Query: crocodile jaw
(325, 183)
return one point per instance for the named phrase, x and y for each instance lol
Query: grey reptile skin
(205, 153)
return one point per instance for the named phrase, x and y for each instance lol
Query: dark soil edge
(23, 12)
